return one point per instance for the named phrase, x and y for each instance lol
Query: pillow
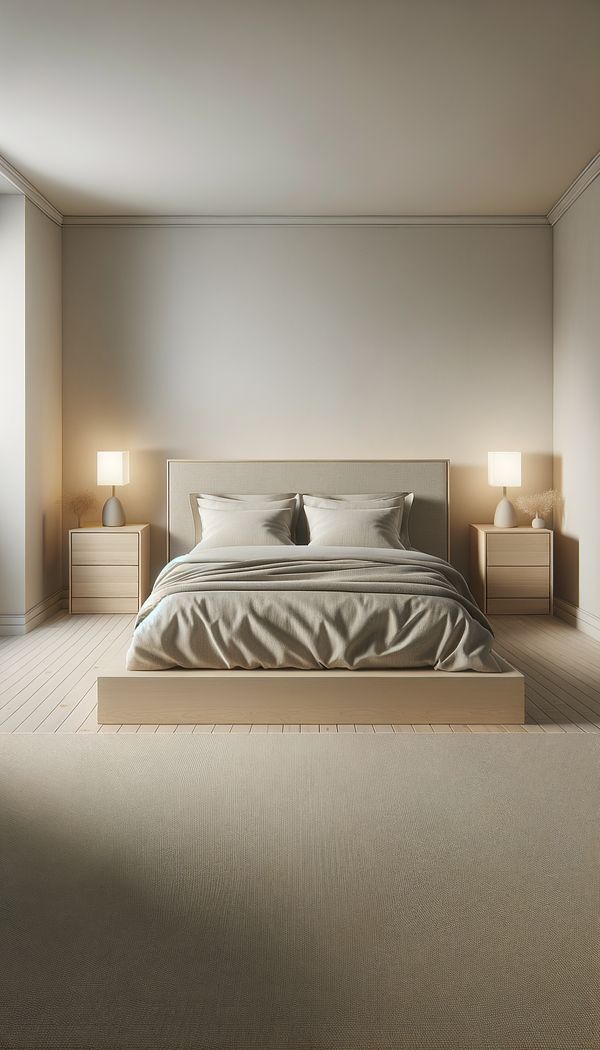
(245, 526)
(365, 502)
(239, 502)
(354, 527)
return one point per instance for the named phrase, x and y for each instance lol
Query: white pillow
(354, 527)
(366, 502)
(245, 526)
(240, 502)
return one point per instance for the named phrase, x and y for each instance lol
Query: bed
(179, 671)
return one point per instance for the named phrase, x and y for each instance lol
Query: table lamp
(504, 469)
(113, 469)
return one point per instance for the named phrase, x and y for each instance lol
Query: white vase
(538, 523)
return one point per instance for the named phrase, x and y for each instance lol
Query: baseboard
(586, 622)
(13, 624)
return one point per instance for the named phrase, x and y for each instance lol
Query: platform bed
(396, 697)
(288, 696)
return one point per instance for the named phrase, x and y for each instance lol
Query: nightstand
(511, 569)
(109, 569)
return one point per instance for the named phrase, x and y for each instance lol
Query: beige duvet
(311, 607)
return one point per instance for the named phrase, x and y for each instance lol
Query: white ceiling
(292, 107)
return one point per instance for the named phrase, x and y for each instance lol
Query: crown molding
(577, 187)
(24, 186)
(304, 220)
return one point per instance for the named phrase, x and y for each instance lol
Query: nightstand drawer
(519, 549)
(104, 605)
(522, 581)
(518, 606)
(109, 548)
(98, 581)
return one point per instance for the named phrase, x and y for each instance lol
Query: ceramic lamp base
(113, 515)
(505, 516)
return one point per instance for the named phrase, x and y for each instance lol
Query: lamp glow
(112, 468)
(504, 470)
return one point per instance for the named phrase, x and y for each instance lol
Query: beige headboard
(427, 478)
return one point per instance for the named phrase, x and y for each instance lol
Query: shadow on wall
(145, 498)
(566, 549)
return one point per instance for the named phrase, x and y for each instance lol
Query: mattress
(349, 608)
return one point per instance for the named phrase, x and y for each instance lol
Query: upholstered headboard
(427, 478)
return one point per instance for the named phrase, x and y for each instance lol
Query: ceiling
(6, 186)
(300, 107)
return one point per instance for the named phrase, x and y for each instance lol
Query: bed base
(289, 697)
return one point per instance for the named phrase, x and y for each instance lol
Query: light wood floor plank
(564, 702)
(77, 704)
(554, 683)
(26, 706)
(546, 658)
(41, 667)
(80, 699)
(90, 723)
(31, 645)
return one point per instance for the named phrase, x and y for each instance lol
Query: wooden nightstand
(109, 569)
(511, 569)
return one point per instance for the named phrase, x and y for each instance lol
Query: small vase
(538, 523)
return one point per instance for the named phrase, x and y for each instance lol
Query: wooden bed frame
(397, 697)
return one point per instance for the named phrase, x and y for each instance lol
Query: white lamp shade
(504, 469)
(113, 468)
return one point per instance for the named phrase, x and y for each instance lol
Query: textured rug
(296, 892)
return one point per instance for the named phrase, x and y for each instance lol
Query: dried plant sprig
(539, 504)
(80, 504)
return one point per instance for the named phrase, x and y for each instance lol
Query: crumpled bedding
(350, 608)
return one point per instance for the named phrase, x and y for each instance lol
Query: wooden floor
(47, 680)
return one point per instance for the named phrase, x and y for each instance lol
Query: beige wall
(30, 414)
(576, 403)
(12, 407)
(43, 367)
(275, 342)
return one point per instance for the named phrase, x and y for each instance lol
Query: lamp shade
(504, 469)
(113, 468)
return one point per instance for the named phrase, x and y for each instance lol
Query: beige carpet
(296, 892)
